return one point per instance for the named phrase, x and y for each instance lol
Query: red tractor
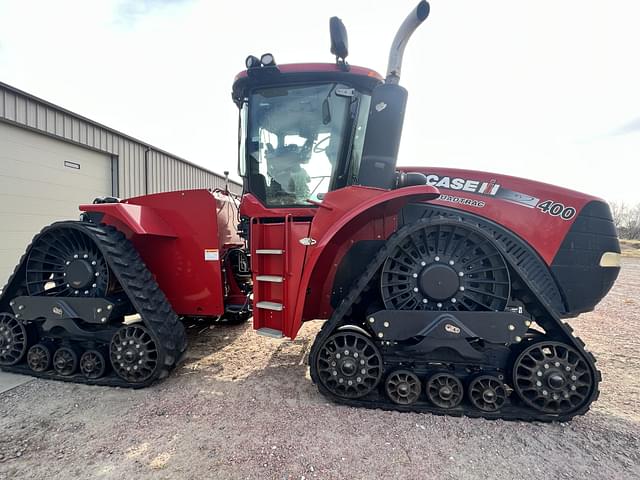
(444, 290)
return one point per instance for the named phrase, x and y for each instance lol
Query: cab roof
(360, 77)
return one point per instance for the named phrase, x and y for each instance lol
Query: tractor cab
(302, 129)
(307, 129)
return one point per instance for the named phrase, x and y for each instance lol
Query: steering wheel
(317, 148)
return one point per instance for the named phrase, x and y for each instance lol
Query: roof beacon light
(252, 62)
(267, 60)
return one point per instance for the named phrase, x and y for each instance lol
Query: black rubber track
(140, 286)
(549, 321)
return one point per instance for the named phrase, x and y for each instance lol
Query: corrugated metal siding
(165, 172)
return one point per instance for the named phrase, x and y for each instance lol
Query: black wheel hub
(556, 380)
(487, 393)
(13, 340)
(444, 390)
(439, 282)
(79, 274)
(552, 377)
(89, 365)
(134, 353)
(348, 367)
(403, 387)
(445, 266)
(349, 364)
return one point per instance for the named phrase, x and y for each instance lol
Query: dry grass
(630, 248)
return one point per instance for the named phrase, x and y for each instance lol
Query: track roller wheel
(93, 364)
(40, 357)
(349, 364)
(552, 377)
(487, 393)
(13, 340)
(134, 354)
(65, 361)
(403, 387)
(444, 390)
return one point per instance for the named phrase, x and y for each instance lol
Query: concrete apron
(12, 380)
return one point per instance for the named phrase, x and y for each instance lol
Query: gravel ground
(243, 406)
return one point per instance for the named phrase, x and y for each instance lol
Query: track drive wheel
(487, 393)
(13, 340)
(349, 364)
(552, 377)
(134, 354)
(444, 390)
(403, 387)
(64, 262)
(441, 265)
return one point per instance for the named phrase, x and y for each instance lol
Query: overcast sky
(540, 89)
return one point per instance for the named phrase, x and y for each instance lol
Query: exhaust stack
(388, 103)
(410, 24)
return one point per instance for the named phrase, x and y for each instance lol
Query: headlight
(610, 259)
(267, 60)
(252, 62)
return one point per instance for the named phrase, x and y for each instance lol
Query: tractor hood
(477, 185)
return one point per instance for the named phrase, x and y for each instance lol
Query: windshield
(295, 141)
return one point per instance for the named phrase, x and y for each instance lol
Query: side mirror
(339, 40)
(382, 139)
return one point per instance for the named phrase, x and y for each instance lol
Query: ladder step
(269, 251)
(269, 332)
(270, 278)
(270, 306)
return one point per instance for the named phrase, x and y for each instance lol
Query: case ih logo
(473, 186)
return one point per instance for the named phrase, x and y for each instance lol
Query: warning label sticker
(211, 255)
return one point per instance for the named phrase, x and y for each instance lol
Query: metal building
(52, 160)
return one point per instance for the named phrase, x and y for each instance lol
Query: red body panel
(181, 237)
(138, 219)
(511, 202)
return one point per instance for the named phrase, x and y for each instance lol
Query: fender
(181, 237)
(138, 219)
(347, 210)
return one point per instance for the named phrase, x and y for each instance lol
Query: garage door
(42, 180)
